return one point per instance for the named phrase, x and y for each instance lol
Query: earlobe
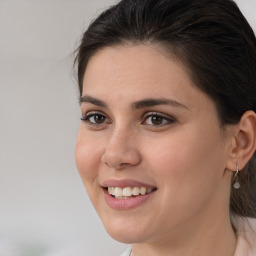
(243, 141)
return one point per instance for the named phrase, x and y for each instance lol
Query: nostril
(124, 164)
(106, 164)
(119, 166)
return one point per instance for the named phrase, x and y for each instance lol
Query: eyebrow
(149, 102)
(92, 100)
(155, 102)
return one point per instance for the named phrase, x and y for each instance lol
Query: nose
(121, 151)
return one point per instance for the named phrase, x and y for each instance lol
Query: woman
(168, 133)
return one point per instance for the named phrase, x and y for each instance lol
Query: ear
(243, 141)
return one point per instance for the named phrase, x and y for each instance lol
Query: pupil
(99, 118)
(157, 120)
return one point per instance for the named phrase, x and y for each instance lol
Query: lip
(125, 204)
(125, 183)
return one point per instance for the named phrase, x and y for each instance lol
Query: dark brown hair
(211, 38)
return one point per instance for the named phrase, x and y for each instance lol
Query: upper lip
(125, 183)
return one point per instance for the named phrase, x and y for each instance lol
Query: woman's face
(152, 139)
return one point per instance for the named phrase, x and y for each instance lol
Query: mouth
(128, 192)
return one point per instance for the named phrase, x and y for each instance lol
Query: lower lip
(124, 204)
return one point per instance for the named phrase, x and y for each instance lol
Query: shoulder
(246, 240)
(127, 252)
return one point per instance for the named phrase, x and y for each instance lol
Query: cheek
(88, 157)
(187, 169)
(189, 162)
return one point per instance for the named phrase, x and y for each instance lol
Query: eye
(94, 118)
(156, 119)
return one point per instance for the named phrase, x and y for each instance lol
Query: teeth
(118, 192)
(127, 192)
(110, 190)
(143, 191)
(135, 191)
(149, 190)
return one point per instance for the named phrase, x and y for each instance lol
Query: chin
(125, 236)
(126, 230)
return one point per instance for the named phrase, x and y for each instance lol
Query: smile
(128, 192)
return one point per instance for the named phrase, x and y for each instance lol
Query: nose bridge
(121, 149)
(119, 133)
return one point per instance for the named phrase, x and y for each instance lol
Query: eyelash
(87, 117)
(168, 120)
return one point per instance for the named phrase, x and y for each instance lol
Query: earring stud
(236, 185)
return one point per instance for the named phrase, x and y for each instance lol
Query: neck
(210, 236)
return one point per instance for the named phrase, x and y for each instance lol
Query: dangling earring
(236, 185)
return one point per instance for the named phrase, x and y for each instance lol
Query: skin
(186, 158)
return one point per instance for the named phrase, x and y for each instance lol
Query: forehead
(132, 65)
(129, 73)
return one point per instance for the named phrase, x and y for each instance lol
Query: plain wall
(44, 209)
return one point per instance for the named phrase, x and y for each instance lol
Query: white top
(127, 252)
(246, 241)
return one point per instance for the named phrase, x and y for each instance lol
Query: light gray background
(44, 209)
